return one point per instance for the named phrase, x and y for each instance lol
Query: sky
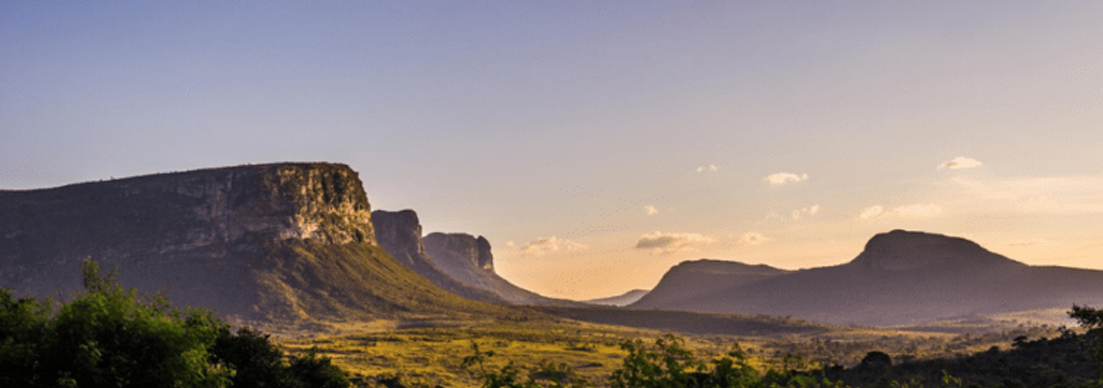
(596, 144)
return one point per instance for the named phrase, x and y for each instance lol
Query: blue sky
(595, 145)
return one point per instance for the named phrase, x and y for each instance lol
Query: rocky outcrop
(274, 242)
(399, 233)
(469, 260)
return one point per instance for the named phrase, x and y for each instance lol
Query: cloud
(665, 243)
(807, 211)
(916, 210)
(871, 212)
(709, 168)
(544, 245)
(960, 162)
(510, 244)
(752, 239)
(782, 178)
(650, 210)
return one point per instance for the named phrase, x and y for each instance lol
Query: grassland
(433, 355)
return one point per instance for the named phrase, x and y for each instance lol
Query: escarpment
(287, 242)
(469, 260)
(399, 233)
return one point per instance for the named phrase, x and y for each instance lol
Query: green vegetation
(109, 336)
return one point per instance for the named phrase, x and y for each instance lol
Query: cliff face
(468, 259)
(269, 243)
(399, 233)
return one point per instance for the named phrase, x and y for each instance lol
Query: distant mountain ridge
(900, 277)
(690, 279)
(621, 300)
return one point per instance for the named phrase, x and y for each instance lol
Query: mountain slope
(621, 300)
(288, 243)
(399, 233)
(906, 277)
(468, 259)
(691, 279)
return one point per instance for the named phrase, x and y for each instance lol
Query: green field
(433, 356)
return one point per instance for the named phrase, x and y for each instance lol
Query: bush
(109, 336)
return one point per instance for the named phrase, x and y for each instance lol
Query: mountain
(621, 300)
(900, 277)
(288, 243)
(468, 259)
(691, 279)
(399, 233)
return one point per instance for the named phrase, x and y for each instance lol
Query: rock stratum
(900, 277)
(287, 243)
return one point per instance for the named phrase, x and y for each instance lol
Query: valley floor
(433, 356)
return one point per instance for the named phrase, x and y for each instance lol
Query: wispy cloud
(1068, 195)
(545, 245)
(752, 239)
(782, 178)
(960, 162)
(665, 243)
(916, 210)
(650, 210)
(708, 168)
(805, 212)
(871, 212)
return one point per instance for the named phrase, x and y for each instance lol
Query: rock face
(468, 259)
(399, 233)
(276, 242)
(900, 278)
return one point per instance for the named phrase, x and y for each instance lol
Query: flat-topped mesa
(474, 250)
(320, 201)
(399, 233)
(208, 238)
(901, 250)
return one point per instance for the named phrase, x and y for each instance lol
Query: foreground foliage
(109, 336)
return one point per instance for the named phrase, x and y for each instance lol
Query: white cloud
(650, 210)
(665, 243)
(807, 211)
(915, 210)
(709, 168)
(871, 212)
(510, 244)
(782, 178)
(752, 239)
(960, 162)
(544, 245)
